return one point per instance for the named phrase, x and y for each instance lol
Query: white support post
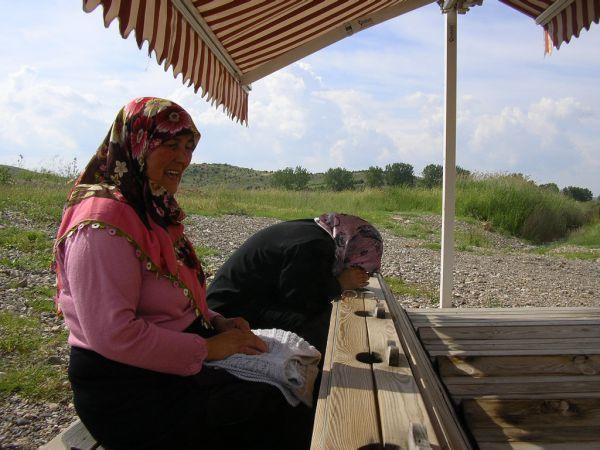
(447, 257)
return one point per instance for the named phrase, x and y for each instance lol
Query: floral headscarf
(357, 242)
(114, 192)
(140, 126)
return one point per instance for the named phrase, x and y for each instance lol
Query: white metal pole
(447, 258)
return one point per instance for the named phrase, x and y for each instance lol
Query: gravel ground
(504, 274)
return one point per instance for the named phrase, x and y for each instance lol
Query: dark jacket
(282, 273)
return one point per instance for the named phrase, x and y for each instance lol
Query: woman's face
(166, 163)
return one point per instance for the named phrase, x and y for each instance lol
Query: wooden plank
(351, 411)
(76, 436)
(592, 445)
(320, 422)
(481, 366)
(508, 322)
(417, 437)
(399, 400)
(557, 386)
(448, 428)
(488, 413)
(593, 344)
(572, 435)
(435, 334)
(519, 310)
(513, 352)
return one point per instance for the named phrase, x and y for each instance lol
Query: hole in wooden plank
(363, 313)
(369, 357)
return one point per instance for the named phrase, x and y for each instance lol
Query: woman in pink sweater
(133, 295)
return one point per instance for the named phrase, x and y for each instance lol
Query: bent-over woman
(132, 292)
(285, 275)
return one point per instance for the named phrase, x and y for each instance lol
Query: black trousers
(126, 407)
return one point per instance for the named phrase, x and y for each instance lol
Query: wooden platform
(364, 401)
(521, 378)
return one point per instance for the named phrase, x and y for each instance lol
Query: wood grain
(482, 366)
(351, 417)
(399, 400)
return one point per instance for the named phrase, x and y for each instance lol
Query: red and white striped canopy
(561, 19)
(221, 46)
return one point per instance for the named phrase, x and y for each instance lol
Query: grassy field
(31, 206)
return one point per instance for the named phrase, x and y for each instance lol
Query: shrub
(517, 206)
(463, 173)
(291, 179)
(433, 175)
(339, 179)
(5, 176)
(578, 193)
(399, 174)
(552, 187)
(374, 176)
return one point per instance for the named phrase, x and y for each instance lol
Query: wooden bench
(75, 437)
(523, 378)
(370, 395)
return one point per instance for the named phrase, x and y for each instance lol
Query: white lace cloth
(290, 364)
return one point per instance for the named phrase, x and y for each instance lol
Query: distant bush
(399, 174)
(552, 187)
(463, 173)
(291, 179)
(374, 177)
(339, 179)
(433, 175)
(517, 206)
(578, 193)
(5, 176)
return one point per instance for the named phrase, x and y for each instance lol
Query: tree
(375, 177)
(462, 172)
(339, 179)
(433, 175)
(578, 193)
(399, 174)
(552, 187)
(291, 179)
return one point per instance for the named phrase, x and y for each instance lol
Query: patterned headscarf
(114, 191)
(140, 126)
(357, 242)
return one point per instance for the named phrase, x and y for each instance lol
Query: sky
(372, 99)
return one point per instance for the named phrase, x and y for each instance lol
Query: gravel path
(506, 274)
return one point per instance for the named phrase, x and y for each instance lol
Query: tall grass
(510, 203)
(372, 204)
(520, 208)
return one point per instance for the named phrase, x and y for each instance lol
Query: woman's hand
(353, 278)
(234, 341)
(222, 324)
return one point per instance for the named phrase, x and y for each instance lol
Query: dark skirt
(126, 407)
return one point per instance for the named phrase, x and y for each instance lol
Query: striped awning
(561, 19)
(221, 46)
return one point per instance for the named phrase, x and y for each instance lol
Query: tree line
(395, 174)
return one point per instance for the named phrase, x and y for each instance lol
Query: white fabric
(290, 364)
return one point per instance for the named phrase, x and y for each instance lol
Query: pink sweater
(115, 307)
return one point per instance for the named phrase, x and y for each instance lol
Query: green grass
(468, 240)
(516, 205)
(401, 288)
(587, 236)
(40, 298)
(38, 202)
(34, 249)
(203, 252)
(24, 352)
